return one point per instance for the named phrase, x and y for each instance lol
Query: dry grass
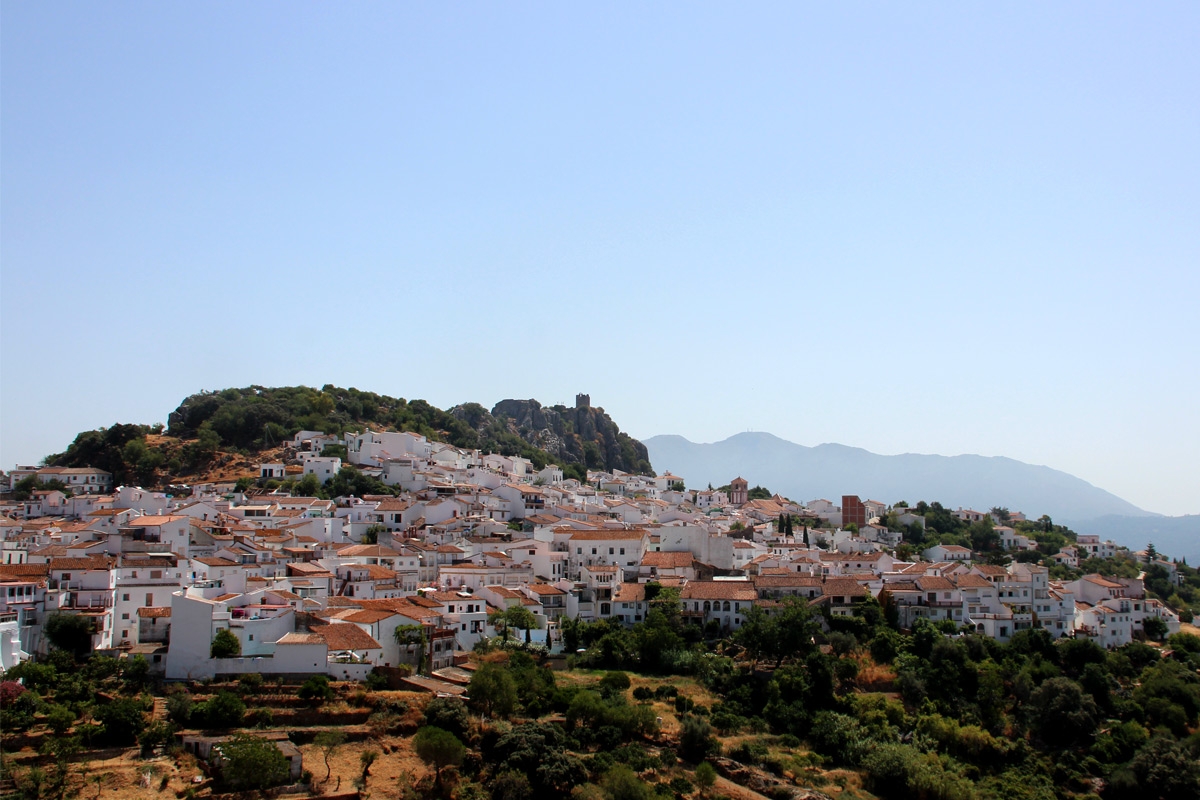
(396, 761)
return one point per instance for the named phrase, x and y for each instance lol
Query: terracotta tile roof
(613, 535)
(369, 550)
(545, 589)
(346, 636)
(150, 520)
(990, 569)
(377, 573)
(673, 560)
(844, 587)
(790, 580)
(719, 590)
(971, 581)
(365, 616)
(630, 593)
(134, 560)
(92, 563)
(1102, 581)
(154, 612)
(304, 638)
(934, 583)
(217, 562)
(17, 572)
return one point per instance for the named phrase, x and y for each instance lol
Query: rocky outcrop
(758, 781)
(581, 435)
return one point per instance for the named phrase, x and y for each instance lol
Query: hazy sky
(938, 228)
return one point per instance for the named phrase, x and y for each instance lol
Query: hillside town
(315, 586)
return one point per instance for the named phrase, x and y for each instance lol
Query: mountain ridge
(830, 470)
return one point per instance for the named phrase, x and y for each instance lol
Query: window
(155, 574)
(252, 637)
(124, 616)
(593, 551)
(578, 551)
(125, 597)
(610, 551)
(149, 598)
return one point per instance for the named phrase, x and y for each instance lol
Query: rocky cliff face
(580, 435)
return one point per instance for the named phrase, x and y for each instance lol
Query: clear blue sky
(942, 228)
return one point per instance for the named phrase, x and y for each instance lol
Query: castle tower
(739, 491)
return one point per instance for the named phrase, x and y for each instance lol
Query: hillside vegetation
(219, 434)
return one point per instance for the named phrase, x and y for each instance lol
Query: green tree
(365, 759)
(622, 783)
(517, 617)
(449, 714)
(316, 690)
(122, 719)
(59, 718)
(223, 710)
(225, 645)
(71, 633)
(1155, 628)
(492, 690)
(329, 741)
(1061, 712)
(438, 748)
(409, 637)
(696, 739)
(250, 763)
(614, 683)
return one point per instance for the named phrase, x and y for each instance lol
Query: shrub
(681, 786)
(438, 748)
(223, 710)
(614, 682)
(225, 645)
(260, 718)
(316, 690)
(251, 682)
(180, 707)
(706, 775)
(448, 714)
(696, 741)
(155, 735)
(621, 783)
(250, 762)
(59, 718)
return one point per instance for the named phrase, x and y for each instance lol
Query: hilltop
(222, 435)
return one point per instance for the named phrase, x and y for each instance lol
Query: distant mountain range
(831, 470)
(979, 482)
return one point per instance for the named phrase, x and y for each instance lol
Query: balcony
(73, 602)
